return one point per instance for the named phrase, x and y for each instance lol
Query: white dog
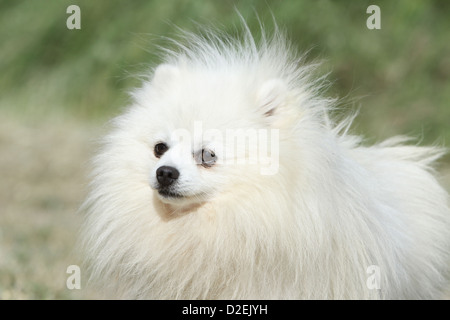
(225, 179)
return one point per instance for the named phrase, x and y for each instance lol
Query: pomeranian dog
(226, 179)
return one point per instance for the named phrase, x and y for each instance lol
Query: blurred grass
(58, 85)
(399, 75)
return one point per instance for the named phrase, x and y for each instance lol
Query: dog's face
(185, 171)
(205, 132)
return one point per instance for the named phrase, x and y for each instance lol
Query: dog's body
(335, 219)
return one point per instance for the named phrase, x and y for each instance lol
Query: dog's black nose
(166, 175)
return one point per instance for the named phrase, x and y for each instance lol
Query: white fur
(311, 231)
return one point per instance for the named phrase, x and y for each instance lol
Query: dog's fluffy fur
(312, 230)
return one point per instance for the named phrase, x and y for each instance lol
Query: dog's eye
(160, 148)
(208, 158)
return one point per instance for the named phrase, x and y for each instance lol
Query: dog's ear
(164, 73)
(271, 96)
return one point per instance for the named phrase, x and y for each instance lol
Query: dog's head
(210, 130)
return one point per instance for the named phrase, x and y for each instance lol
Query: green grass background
(398, 76)
(58, 85)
